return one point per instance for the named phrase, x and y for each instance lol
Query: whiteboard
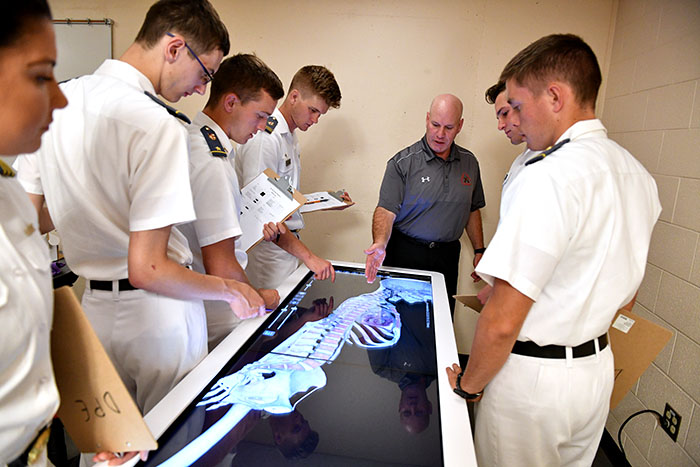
(81, 48)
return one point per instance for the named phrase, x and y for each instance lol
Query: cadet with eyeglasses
(113, 171)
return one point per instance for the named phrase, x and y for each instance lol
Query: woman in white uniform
(28, 96)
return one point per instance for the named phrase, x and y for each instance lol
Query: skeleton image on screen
(279, 380)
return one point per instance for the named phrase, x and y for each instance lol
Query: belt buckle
(38, 446)
(431, 245)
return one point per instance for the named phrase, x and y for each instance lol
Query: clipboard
(96, 408)
(267, 198)
(325, 201)
(470, 301)
(635, 343)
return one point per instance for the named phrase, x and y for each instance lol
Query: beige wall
(653, 109)
(390, 58)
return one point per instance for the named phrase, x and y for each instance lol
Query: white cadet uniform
(114, 162)
(28, 394)
(515, 168)
(573, 236)
(217, 197)
(268, 264)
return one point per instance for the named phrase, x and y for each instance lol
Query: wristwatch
(462, 393)
(478, 251)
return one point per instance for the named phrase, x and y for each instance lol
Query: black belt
(124, 285)
(425, 243)
(530, 349)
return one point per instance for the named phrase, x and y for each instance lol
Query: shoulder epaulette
(215, 146)
(547, 152)
(271, 124)
(6, 170)
(171, 110)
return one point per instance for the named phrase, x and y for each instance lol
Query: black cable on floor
(619, 432)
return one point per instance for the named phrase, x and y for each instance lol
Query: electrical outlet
(671, 422)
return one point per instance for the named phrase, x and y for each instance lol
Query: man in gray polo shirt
(430, 192)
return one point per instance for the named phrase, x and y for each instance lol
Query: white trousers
(269, 265)
(544, 412)
(221, 320)
(153, 340)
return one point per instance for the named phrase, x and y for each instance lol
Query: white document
(321, 200)
(623, 323)
(263, 201)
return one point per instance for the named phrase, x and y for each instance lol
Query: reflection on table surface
(298, 374)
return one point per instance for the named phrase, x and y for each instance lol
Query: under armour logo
(424, 179)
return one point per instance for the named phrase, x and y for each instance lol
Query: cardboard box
(635, 343)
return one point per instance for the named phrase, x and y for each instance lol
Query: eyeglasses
(207, 75)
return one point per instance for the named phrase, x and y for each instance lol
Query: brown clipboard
(331, 195)
(470, 301)
(296, 195)
(96, 408)
(635, 344)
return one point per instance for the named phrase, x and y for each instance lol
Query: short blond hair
(317, 79)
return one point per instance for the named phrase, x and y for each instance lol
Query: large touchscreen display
(341, 373)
